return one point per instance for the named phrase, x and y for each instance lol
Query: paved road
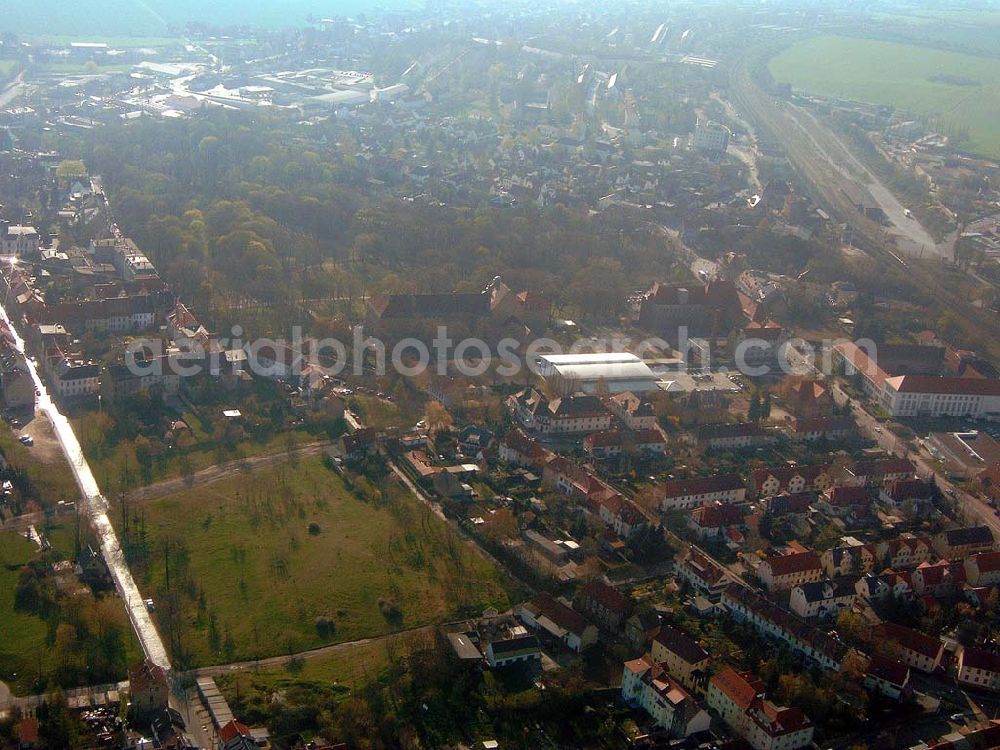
(97, 508)
(225, 470)
(971, 508)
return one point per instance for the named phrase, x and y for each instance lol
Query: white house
(647, 685)
(821, 598)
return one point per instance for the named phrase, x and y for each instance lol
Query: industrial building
(588, 373)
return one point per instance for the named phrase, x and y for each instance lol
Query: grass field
(353, 666)
(22, 636)
(957, 92)
(246, 557)
(47, 481)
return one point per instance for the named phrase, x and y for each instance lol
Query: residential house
(988, 481)
(848, 560)
(983, 569)
(940, 579)
(843, 501)
(911, 647)
(957, 544)
(684, 494)
(235, 735)
(566, 625)
(822, 598)
(649, 686)
(734, 436)
(604, 604)
(473, 440)
(798, 503)
(516, 647)
(713, 521)
(738, 699)
(771, 621)
(360, 444)
(882, 471)
(635, 412)
(566, 415)
(890, 678)
(518, 449)
(978, 669)
(903, 553)
(912, 495)
(790, 479)
(884, 586)
(619, 512)
(550, 549)
(701, 574)
(18, 240)
(683, 657)
(613, 443)
(805, 429)
(783, 572)
(808, 399)
(148, 689)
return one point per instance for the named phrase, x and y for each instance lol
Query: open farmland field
(959, 93)
(288, 558)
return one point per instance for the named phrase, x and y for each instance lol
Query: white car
(26, 440)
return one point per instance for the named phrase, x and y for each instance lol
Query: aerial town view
(447, 374)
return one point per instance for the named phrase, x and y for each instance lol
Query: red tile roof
(741, 689)
(888, 670)
(702, 485)
(782, 565)
(232, 730)
(911, 640)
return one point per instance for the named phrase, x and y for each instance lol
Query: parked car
(26, 440)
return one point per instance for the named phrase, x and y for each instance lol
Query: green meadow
(958, 93)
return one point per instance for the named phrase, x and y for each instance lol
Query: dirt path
(280, 661)
(225, 470)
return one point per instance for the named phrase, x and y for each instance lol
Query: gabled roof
(679, 643)
(975, 658)
(702, 485)
(909, 639)
(233, 729)
(717, 515)
(724, 431)
(795, 502)
(566, 618)
(607, 597)
(823, 424)
(909, 489)
(782, 565)
(968, 535)
(985, 562)
(710, 573)
(741, 689)
(784, 474)
(946, 385)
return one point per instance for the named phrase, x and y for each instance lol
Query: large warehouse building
(576, 373)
